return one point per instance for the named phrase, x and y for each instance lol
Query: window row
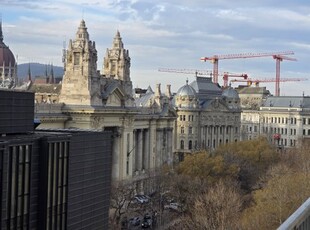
(280, 130)
(190, 144)
(306, 132)
(189, 118)
(285, 142)
(280, 120)
(250, 128)
(306, 121)
(221, 130)
(190, 130)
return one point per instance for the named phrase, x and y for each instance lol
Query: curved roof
(6, 56)
(231, 93)
(144, 100)
(186, 90)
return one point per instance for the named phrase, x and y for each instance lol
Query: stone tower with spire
(81, 80)
(116, 64)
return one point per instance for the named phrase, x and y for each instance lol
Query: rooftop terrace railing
(299, 220)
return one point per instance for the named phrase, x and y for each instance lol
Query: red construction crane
(280, 58)
(227, 75)
(276, 55)
(256, 82)
(187, 71)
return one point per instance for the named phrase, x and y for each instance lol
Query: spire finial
(187, 81)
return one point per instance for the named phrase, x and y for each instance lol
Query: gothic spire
(29, 72)
(82, 33)
(1, 34)
(117, 42)
(52, 75)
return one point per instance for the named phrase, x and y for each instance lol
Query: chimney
(168, 91)
(157, 91)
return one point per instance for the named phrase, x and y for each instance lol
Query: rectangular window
(182, 130)
(57, 165)
(304, 121)
(190, 130)
(18, 186)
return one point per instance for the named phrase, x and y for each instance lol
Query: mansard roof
(287, 102)
(205, 88)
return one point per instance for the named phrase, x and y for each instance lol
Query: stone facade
(142, 137)
(207, 116)
(284, 120)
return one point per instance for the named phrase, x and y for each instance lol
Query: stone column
(134, 152)
(231, 134)
(152, 144)
(115, 157)
(159, 147)
(169, 146)
(211, 137)
(146, 149)
(140, 149)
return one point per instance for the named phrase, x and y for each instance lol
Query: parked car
(147, 221)
(142, 199)
(135, 221)
(173, 206)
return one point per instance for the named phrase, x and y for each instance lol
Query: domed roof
(231, 93)
(186, 90)
(6, 56)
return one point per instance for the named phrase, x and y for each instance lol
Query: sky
(169, 34)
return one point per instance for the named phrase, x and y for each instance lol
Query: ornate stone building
(207, 116)
(89, 100)
(8, 65)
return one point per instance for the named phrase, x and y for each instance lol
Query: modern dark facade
(55, 179)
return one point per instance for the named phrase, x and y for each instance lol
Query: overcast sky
(169, 34)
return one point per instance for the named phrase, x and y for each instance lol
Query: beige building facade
(284, 120)
(207, 116)
(89, 99)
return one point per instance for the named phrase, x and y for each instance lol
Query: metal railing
(299, 220)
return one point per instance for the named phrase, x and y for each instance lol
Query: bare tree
(217, 209)
(120, 201)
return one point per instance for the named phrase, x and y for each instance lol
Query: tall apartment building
(50, 179)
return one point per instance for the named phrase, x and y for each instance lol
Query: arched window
(190, 145)
(182, 144)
